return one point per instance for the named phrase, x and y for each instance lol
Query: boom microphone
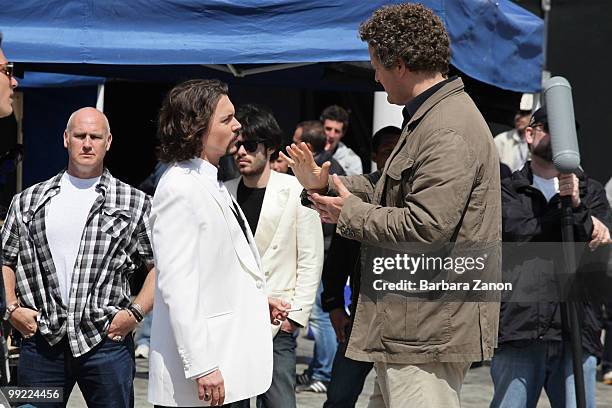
(562, 125)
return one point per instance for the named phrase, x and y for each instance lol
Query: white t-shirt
(65, 222)
(548, 187)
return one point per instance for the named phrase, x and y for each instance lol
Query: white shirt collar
(205, 168)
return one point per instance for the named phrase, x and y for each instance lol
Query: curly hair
(411, 32)
(185, 116)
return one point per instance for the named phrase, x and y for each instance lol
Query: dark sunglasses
(7, 69)
(249, 145)
(542, 126)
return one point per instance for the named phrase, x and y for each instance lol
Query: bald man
(69, 246)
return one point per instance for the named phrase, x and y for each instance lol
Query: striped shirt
(116, 240)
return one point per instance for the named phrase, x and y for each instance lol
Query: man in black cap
(534, 352)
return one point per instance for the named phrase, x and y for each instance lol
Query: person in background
(312, 133)
(277, 164)
(511, 145)
(534, 352)
(335, 121)
(288, 236)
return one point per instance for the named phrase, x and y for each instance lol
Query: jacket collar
(453, 86)
(412, 107)
(272, 208)
(523, 179)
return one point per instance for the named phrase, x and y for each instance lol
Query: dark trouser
(282, 391)
(105, 374)
(348, 377)
(606, 364)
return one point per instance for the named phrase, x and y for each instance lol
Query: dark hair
(275, 155)
(336, 113)
(258, 123)
(185, 117)
(0, 38)
(383, 134)
(313, 133)
(411, 32)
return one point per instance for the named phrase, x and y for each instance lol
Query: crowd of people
(236, 266)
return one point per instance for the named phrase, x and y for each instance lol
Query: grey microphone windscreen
(561, 123)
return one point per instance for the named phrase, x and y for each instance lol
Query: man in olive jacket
(440, 186)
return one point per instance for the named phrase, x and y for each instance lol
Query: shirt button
(275, 247)
(259, 284)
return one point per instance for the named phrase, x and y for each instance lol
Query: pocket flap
(400, 163)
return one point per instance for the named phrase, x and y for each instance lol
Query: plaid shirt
(115, 242)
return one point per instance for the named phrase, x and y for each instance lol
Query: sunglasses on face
(7, 69)
(249, 145)
(541, 126)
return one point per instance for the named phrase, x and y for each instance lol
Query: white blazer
(289, 238)
(210, 308)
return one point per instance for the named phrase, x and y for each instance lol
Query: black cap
(540, 116)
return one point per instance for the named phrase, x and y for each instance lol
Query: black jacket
(527, 217)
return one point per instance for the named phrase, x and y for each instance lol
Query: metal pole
(569, 310)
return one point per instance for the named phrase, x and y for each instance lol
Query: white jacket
(289, 238)
(210, 309)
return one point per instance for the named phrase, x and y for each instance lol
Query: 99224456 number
(33, 394)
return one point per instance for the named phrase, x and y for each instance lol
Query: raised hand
(302, 163)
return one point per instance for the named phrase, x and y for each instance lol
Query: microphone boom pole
(566, 158)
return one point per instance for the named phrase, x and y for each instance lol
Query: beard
(255, 167)
(543, 151)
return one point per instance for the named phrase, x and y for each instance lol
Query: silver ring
(117, 338)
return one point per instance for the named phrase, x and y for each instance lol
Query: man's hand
(123, 323)
(339, 320)
(600, 235)
(212, 388)
(278, 310)
(302, 163)
(24, 320)
(329, 208)
(568, 187)
(287, 326)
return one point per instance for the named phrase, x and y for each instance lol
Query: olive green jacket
(440, 185)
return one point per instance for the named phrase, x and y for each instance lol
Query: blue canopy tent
(496, 42)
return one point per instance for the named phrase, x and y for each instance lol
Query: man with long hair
(210, 340)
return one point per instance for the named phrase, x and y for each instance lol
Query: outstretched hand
(303, 165)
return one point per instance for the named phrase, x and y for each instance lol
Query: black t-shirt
(250, 200)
